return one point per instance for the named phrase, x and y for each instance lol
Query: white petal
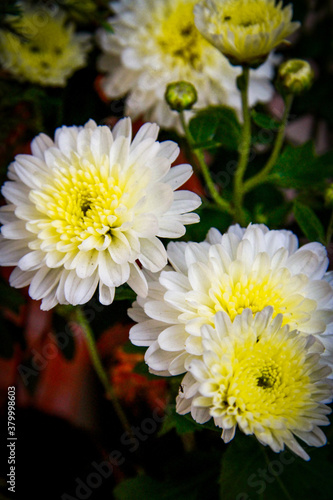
(79, 291)
(44, 281)
(15, 192)
(176, 367)
(19, 278)
(184, 201)
(161, 312)
(137, 280)
(27, 168)
(106, 294)
(40, 144)
(111, 273)
(147, 131)
(176, 255)
(178, 175)
(145, 332)
(173, 338)
(168, 227)
(153, 254)
(85, 263)
(15, 230)
(101, 142)
(170, 150)
(12, 251)
(31, 261)
(308, 262)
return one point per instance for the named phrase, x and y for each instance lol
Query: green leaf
(299, 167)
(309, 222)
(9, 297)
(124, 292)
(141, 368)
(133, 349)
(140, 488)
(264, 121)
(180, 423)
(216, 126)
(250, 470)
(191, 477)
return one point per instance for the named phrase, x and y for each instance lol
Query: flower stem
(97, 363)
(220, 202)
(261, 176)
(278, 480)
(244, 149)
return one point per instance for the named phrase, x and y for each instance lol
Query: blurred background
(65, 427)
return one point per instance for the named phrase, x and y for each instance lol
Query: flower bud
(329, 196)
(180, 95)
(295, 76)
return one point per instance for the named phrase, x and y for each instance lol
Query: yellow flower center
(179, 37)
(268, 381)
(249, 13)
(42, 44)
(254, 15)
(234, 297)
(279, 290)
(82, 201)
(240, 289)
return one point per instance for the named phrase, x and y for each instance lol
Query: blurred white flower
(87, 210)
(155, 42)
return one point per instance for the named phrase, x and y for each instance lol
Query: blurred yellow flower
(245, 31)
(48, 52)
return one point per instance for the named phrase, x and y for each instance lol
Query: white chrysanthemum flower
(261, 377)
(155, 42)
(245, 31)
(48, 52)
(245, 268)
(82, 210)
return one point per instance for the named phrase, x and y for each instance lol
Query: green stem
(261, 176)
(278, 480)
(244, 149)
(97, 363)
(220, 202)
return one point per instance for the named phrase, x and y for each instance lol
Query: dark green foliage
(214, 127)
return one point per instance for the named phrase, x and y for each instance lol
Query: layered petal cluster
(245, 31)
(259, 376)
(88, 209)
(248, 268)
(154, 43)
(48, 51)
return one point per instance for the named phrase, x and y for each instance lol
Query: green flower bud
(329, 196)
(180, 95)
(295, 76)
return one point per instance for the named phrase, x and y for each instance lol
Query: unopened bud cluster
(295, 76)
(180, 96)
